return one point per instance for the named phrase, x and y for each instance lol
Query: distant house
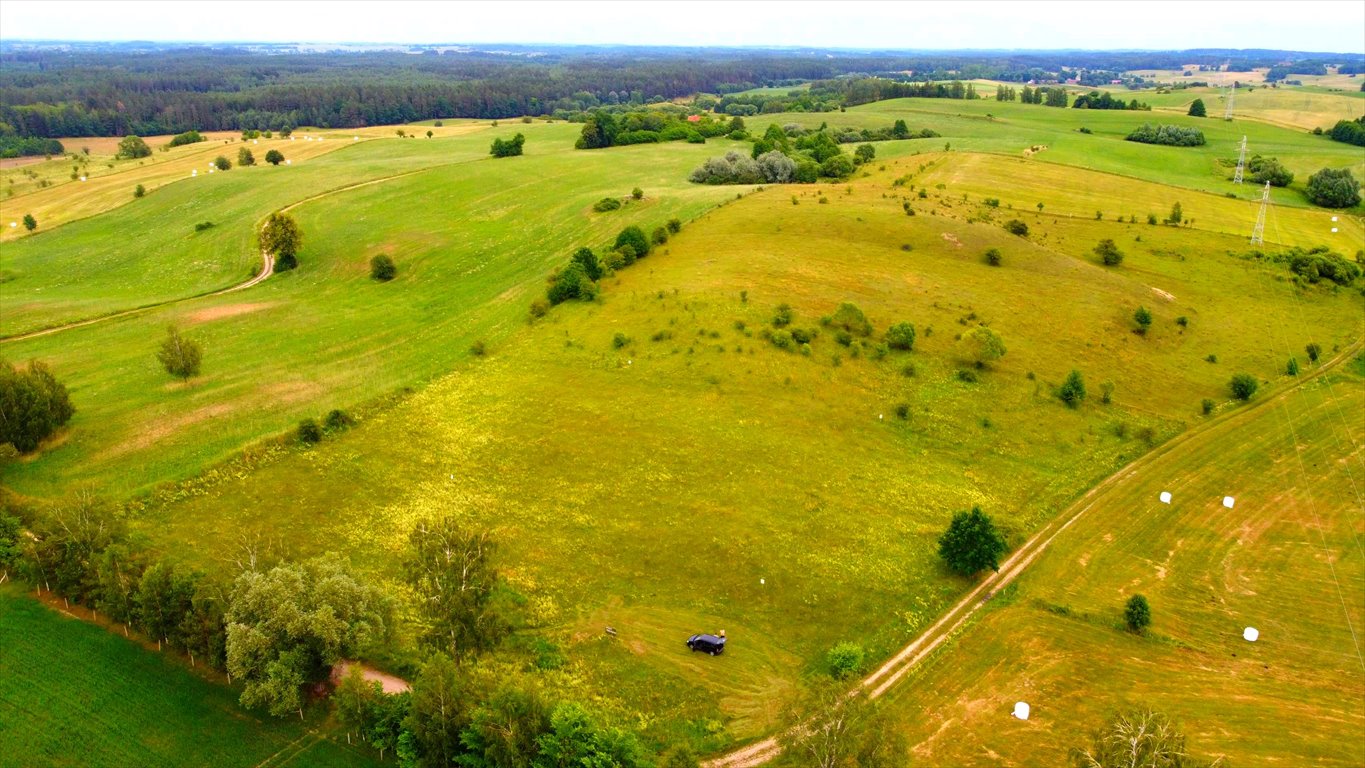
(694, 118)
(1116, 82)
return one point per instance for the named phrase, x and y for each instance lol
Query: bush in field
(309, 432)
(30, 223)
(1334, 188)
(139, 191)
(132, 147)
(983, 346)
(382, 268)
(1197, 109)
(606, 204)
(1109, 253)
(637, 194)
(1072, 391)
(572, 282)
(508, 147)
(971, 544)
(844, 660)
(274, 157)
(591, 266)
(659, 236)
(188, 137)
(1268, 169)
(993, 257)
(282, 237)
(222, 163)
(901, 336)
(1143, 319)
(245, 158)
(634, 237)
(674, 226)
(1137, 614)
(1014, 227)
(338, 419)
(1243, 386)
(783, 317)
(849, 317)
(33, 404)
(179, 355)
(1313, 351)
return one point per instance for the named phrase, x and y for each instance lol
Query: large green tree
(576, 740)
(132, 147)
(1197, 109)
(1334, 188)
(288, 626)
(983, 346)
(971, 544)
(282, 237)
(440, 711)
(33, 405)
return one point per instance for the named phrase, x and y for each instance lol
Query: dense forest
(49, 91)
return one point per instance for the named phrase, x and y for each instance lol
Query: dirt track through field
(895, 669)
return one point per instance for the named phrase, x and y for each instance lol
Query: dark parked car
(707, 643)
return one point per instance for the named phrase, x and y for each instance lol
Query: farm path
(896, 668)
(267, 268)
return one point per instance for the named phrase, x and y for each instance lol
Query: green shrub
(851, 319)
(674, 226)
(1171, 135)
(606, 204)
(382, 268)
(1243, 386)
(1137, 614)
(901, 336)
(903, 411)
(1109, 253)
(139, 191)
(337, 419)
(908, 370)
(844, 660)
(1072, 391)
(1206, 405)
(967, 375)
(539, 308)
(804, 335)
(1293, 368)
(783, 317)
(637, 193)
(781, 339)
(478, 348)
(619, 340)
(309, 431)
(971, 544)
(1014, 227)
(993, 257)
(633, 237)
(659, 236)
(1143, 318)
(1334, 188)
(203, 225)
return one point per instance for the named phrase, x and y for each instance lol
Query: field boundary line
(894, 670)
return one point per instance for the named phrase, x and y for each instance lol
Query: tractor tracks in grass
(894, 670)
(267, 266)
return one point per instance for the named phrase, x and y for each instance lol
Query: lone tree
(1197, 109)
(971, 544)
(1072, 391)
(449, 566)
(33, 404)
(382, 268)
(222, 163)
(178, 355)
(274, 157)
(1293, 367)
(281, 236)
(1109, 253)
(1243, 386)
(245, 158)
(132, 147)
(30, 223)
(901, 336)
(1334, 188)
(1143, 318)
(1177, 215)
(1314, 351)
(1137, 614)
(983, 346)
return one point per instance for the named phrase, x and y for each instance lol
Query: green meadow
(75, 694)
(650, 461)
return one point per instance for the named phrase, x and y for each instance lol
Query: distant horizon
(1316, 26)
(681, 46)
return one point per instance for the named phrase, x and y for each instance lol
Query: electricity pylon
(1258, 233)
(1241, 162)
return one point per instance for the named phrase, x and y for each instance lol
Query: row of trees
(507, 147)
(1349, 131)
(578, 279)
(603, 128)
(1097, 100)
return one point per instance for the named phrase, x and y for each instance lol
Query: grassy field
(73, 694)
(473, 240)
(715, 462)
(1286, 559)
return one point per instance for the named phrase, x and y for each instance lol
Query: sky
(1317, 25)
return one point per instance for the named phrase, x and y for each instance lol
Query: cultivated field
(74, 694)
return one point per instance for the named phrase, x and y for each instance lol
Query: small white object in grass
(1334, 230)
(1165, 497)
(1334, 219)
(82, 178)
(1021, 710)
(254, 141)
(879, 417)
(194, 172)
(1250, 634)
(291, 138)
(355, 138)
(762, 581)
(1227, 502)
(288, 162)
